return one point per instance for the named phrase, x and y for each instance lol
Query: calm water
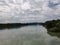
(28, 35)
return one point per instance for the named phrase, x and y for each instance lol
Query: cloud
(53, 5)
(25, 6)
(29, 10)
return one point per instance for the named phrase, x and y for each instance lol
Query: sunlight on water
(28, 35)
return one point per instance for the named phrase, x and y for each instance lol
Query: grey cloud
(53, 5)
(3, 2)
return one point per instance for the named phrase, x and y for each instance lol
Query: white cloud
(28, 10)
(25, 6)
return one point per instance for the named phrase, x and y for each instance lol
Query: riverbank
(16, 25)
(53, 27)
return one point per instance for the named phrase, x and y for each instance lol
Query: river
(27, 35)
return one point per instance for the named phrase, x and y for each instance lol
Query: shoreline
(53, 27)
(16, 25)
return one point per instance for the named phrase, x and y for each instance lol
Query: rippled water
(28, 35)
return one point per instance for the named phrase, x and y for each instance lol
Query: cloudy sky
(29, 10)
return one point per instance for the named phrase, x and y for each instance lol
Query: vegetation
(17, 25)
(52, 26)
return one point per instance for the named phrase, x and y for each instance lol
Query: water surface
(27, 35)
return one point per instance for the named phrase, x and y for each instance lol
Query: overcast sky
(29, 10)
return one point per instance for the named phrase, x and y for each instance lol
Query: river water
(27, 35)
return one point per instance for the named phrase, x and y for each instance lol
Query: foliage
(53, 26)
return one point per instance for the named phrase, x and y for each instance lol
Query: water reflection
(54, 34)
(28, 35)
